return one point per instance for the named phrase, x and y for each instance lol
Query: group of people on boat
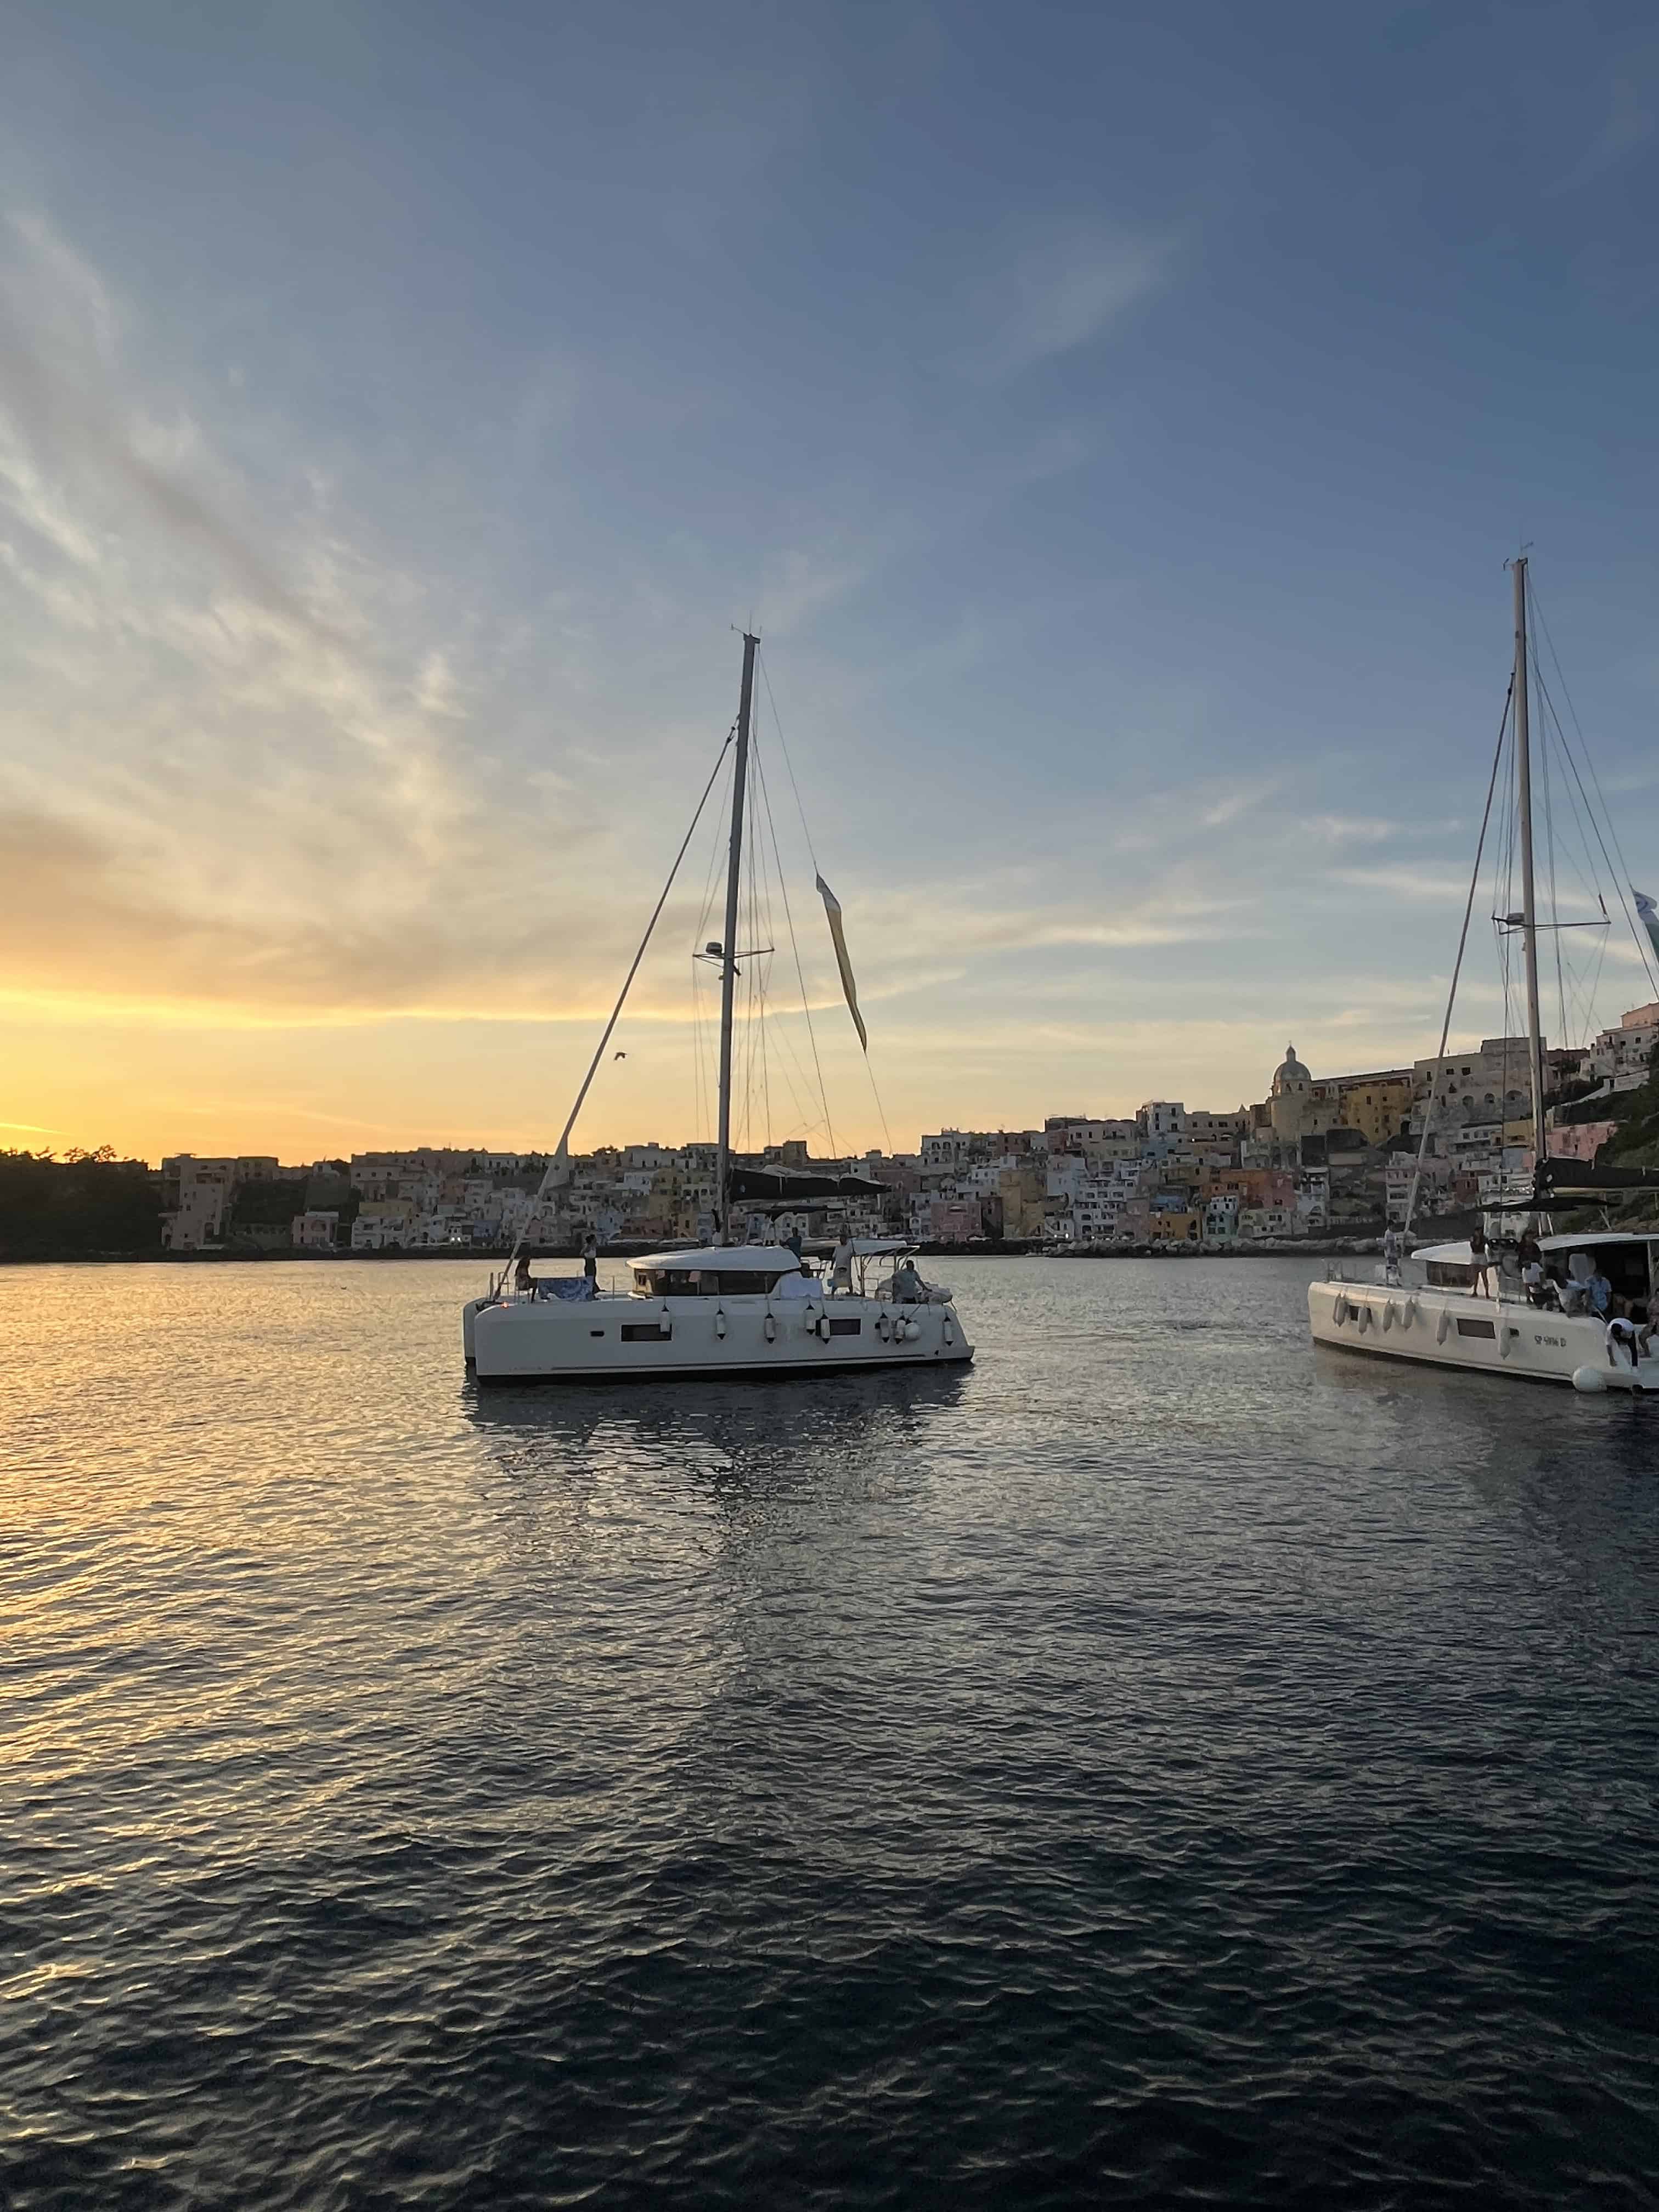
(1522, 1269)
(907, 1287)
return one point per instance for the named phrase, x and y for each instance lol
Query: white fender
(1362, 1314)
(1590, 1380)
(912, 1331)
(1388, 1317)
(823, 1326)
(1339, 1310)
(883, 1328)
(666, 1325)
(950, 1334)
(1506, 1338)
(1444, 1329)
(720, 1321)
(771, 1329)
(1408, 1313)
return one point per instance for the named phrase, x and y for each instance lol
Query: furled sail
(832, 908)
(1650, 913)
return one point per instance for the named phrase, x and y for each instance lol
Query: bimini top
(1581, 1240)
(723, 1259)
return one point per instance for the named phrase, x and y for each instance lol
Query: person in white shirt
(840, 1267)
(798, 1285)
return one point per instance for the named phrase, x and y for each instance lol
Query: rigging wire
(794, 944)
(560, 1150)
(702, 1026)
(1621, 879)
(1457, 967)
(1637, 936)
(777, 720)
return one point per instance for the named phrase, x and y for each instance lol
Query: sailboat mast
(1529, 902)
(729, 943)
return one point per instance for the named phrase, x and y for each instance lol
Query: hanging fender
(1363, 1316)
(823, 1326)
(666, 1323)
(883, 1328)
(1408, 1313)
(720, 1321)
(1339, 1310)
(1388, 1317)
(912, 1331)
(950, 1334)
(771, 1329)
(1444, 1329)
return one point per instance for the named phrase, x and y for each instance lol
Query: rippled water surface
(1163, 1766)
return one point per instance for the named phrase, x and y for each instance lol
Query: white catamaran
(1582, 1320)
(733, 1309)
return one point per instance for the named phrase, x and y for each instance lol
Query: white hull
(1455, 1328)
(545, 1340)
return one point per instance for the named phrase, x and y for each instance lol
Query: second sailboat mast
(1528, 902)
(729, 943)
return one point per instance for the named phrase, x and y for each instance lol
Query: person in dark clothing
(591, 1258)
(1480, 1256)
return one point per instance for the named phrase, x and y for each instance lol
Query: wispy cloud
(1349, 828)
(1051, 296)
(1629, 122)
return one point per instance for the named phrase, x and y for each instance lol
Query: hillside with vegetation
(86, 1206)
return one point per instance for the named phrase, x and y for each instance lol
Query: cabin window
(642, 1332)
(1476, 1328)
(845, 1327)
(1450, 1275)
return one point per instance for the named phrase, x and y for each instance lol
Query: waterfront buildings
(1319, 1154)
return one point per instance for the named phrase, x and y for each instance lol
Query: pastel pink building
(1579, 1140)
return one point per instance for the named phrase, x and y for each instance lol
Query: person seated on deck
(1601, 1295)
(909, 1289)
(801, 1284)
(1540, 1291)
(840, 1266)
(1575, 1291)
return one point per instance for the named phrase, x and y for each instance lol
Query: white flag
(832, 908)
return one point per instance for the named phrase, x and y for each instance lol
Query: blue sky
(1117, 421)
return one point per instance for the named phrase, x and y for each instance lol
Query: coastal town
(1319, 1157)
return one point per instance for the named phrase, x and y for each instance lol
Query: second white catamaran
(1590, 1315)
(731, 1309)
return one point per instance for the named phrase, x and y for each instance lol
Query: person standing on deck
(840, 1266)
(1481, 1258)
(591, 1260)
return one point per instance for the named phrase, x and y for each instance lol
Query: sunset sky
(1117, 422)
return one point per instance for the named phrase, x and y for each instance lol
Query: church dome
(1290, 1071)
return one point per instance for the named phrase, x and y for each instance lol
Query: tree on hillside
(87, 1203)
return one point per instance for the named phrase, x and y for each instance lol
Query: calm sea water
(1164, 1766)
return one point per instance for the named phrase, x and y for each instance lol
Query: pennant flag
(1650, 913)
(832, 908)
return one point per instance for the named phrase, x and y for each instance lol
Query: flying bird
(621, 1055)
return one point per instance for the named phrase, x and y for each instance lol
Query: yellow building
(1168, 1226)
(1378, 1106)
